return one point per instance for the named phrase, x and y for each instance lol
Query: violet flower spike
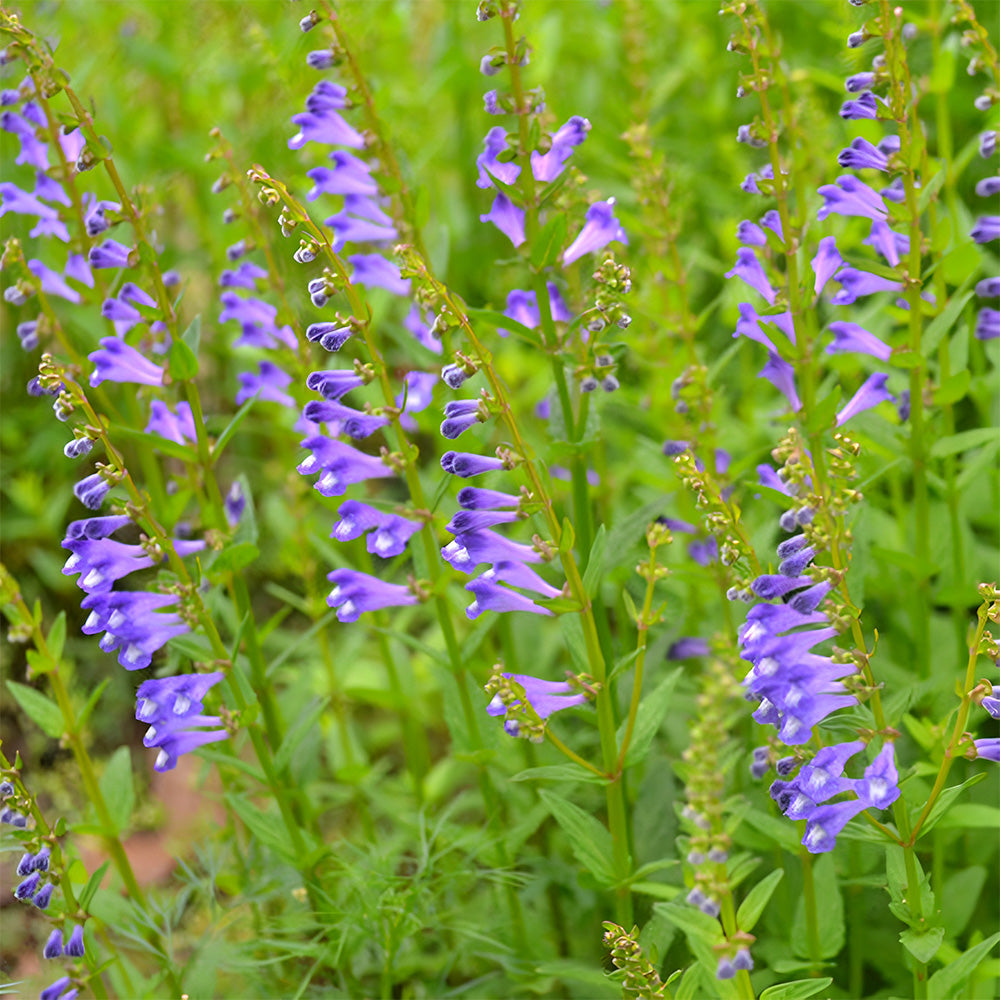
(871, 393)
(599, 229)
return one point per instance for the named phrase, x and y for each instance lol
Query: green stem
(812, 919)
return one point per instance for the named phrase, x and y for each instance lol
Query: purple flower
(517, 574)
(859, 82)
(988, 749)
(544, 697)
(96, 527)
(32, 149)
(330, 336)
(269, 384)
(163, 699)
(871, 393)
(27, 888)
(599, 229)
(750, 234)
(687, 648)
(782, 376)
(422, 333)
(826, 821)
(769, 586)
(507, 217)
(349, 175)
(749, 325)
(74, 946)
(122, 310)
(54, 946)
(416, 397)
(850, 337)
(91, 491)
(748, 269)
(257, 321)
(988, 288)
(491, 596)
(474, 498)
(355, 593)
(354, 423)
(334, 384)
(862, 155)
(988, 187)
(986, 229)
(321, 123)
(548, 166)
(132, 625)
(475, 520)
(43, 896)
(340, 465)
(866, 106)
(704, 553)
(391, 534)
(988, 324)
(879, 787)
(52, 282)
(57, 990)
(117, 362)
(850, 196)
(109, 254)
(173, 739)
(488, 164)
(460, 415)
(245, 276)
(856, 284)
(362, 221)
(467, 464)
(177, 426)
(100, 562)
(374, 271)
(471, 549)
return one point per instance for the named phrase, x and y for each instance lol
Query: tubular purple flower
(890, 244)
(749, 325)
(257, 322)
(507, 217)
(173, 742)
(749, 270)
(782, 376)
(56, 990)
(880, 785)
(871, 393)
(866, 106)
(416, 397)
(467, 464)
(488, 164)
(986, 229)
(769, 586)
(330, 336)
(74, 947)
(987, 324)
(349, 175)
(548, 166)
(987, 749)
(516, 574)
(325, 126)
(109, 254)
(856, 284)
(44, 896)
(349, 228)
(471, 549)
(460, 415)
(599, 229)
(27, 888)
(269, 383)
(750, 234)
(96, 527)
(859, 82)
(806, 601)
(374, 271)
(178, 427)
(475, 520)
(340, 465)
(545, 697)
(52, 282)
(355, 593)
(245, 276)
(91, 491)
(687, 648)
(117, 362)
(795, 564)
(826, 822)
(355, 519)
(862, 155)
(180, 696)
(988, 288)
(490, 596)
(988, 187)
(474, 498)
(850, 196)
(850, 337)
(335, 383)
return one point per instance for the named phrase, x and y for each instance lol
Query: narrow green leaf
(56, 639)
(182, 361)
(823, 412)
(179, 451)
(922, 944)
(945, 320)
(299, 731)
(756, 899)
(93, 884)
(560, 773)
(652, 711)
(595, 562)
(689, 919)
(965, 441)
(95, 697)
(780, 831)
(39, 708)
(498, 321)
(549, 242)
(192, 335)
(945, 801)
(800, 989)
(118, 789)
(829, 916)
(949, 983)
(266, 828)
(226, 436)
(588, 838)
(234, 557)
(953, 388)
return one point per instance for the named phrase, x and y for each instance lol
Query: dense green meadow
(666, 667)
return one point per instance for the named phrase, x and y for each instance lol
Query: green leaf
(756, 899)
(192, 335)
(266, 828)
(965, 441)
(590, 841)
(559, 772)
(303, 726)
(780, 831)
(931, 189)
(498, 321)
(945, 320)
(945, 801)
(118, 789)
(93, 884)
(56, 639)
(953, 388)
(922, 944)
(234, 557)
(829, 912)
(567, 538)
(549, 242)
(95, 695)
(959, 897)
(179, 451)
(626, 532)
(226, 436)
(949, 983)
(652, 710)
(800, 989)
(39, 708)
(182, 362)
(824, 411)
(595, 562)
(689, 919)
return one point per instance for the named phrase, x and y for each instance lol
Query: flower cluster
(525, 702)
(37, 887)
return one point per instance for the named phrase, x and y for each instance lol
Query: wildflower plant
(527, 483)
